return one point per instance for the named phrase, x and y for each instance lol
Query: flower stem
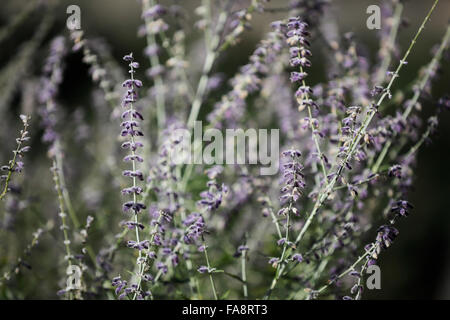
(213, 286)
(211, 55)
(429, 71)
(13, 162)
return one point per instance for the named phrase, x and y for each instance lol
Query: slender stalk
(231, 38)
(275, 222)
(244, 274)
(419, 143)
(67, 201)
(367, 180)
(314, 136)
(429, 71)
(211, 55)
(387, 56)
(62, 215)
(136, 220)
(15, 270)
(13, 162)
(281, 262)
(65, 193)
(213, 286)
(347, 271)
(154, 61)
(360, 279)
(145, 263)
(181, 71)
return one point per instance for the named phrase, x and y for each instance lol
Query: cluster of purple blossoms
(153, 18)
(395, 171)
(194, 228)
(402, 208)
(123, 291)
(386, 235)
(213, 197)
(297, 39)
(240, 21)
(241, 250)
(154, 24)
(293, 178)
(131, 130)
(130, 125)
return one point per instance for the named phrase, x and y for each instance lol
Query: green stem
(429, 71)
(373, 177)
(144, 264)
(211, 56)
(231, 38)
(213, 286)
(244, 274)
(65, 193)
(62, 215)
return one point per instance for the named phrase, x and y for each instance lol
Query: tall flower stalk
(69, 257)
(16, 163)
(297, 40)
(152, 13)
(212, 38)
(131, 130)
(294, 184)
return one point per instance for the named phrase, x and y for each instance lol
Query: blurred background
(418, 264)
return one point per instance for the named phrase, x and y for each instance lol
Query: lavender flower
(131, 130)
(213, 197)
(53, 70)
(293, 179)
(402, 208)
(385, 237)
